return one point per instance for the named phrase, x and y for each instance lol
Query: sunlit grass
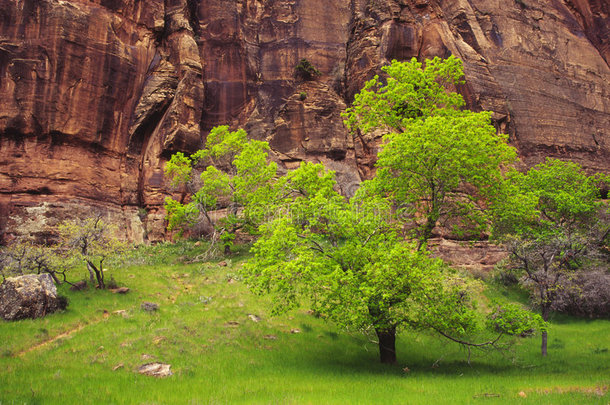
(220, 355)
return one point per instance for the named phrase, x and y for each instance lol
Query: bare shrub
(585, 294)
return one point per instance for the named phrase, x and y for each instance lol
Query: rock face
(97, 94)
(29, 296)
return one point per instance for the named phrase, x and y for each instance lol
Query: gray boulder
(29, 296)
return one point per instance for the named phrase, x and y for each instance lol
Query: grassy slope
(219, 355)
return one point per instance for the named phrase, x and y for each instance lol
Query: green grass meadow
(90, 353)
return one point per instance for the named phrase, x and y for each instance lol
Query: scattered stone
(254, 318)
(79, 286)
(29, 296)
(149, 306)
(118, 366)
(222, 264)
(122, 312)
(155, 370)
(295, 330)
(270, 337)
(120, 290)
(232, 323)
(147, 357)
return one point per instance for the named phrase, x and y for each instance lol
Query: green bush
(306, 71)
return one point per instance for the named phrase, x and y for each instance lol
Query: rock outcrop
(97, 94)
(29, 296)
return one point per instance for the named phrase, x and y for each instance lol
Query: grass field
(206, 329)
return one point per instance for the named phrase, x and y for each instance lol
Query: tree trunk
(387, 345)
(545, 317)
(426, 232)
(543, 345)
(99, 275)
(91, 275)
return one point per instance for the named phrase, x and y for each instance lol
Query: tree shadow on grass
(347, 355)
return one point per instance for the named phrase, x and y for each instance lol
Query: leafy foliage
(437, 162)
(234, 172)
(441, 167)
(306, 70)
(348, 259)
(24, 257)
(409, 92)
(512, 320)
(551, 219)
(552, 198)
(92, 241)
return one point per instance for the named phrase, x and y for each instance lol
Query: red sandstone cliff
(97, 94)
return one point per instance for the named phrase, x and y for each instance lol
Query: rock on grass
(28, 296)
(155, 370)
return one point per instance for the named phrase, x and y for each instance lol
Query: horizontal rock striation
(97, 94)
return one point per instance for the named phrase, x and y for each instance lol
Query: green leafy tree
(232, 171)
(442, 168)
(348, 260)
(551, 219)
(436, 163)
(92, 241)
(407, 92)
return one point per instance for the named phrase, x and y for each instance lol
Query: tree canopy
(232, 172)
(436, 161)
(552, 221)
(90, 240)
(348, 259)
(408, 91)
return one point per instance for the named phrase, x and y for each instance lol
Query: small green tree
(233, 171)
(436, 162)
(348, 259)
(24, 257)
(305, 70)
(90, 240)
(549, 218)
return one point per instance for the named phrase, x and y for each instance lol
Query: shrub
(63, 302)
(306, 71)
(585, 294)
